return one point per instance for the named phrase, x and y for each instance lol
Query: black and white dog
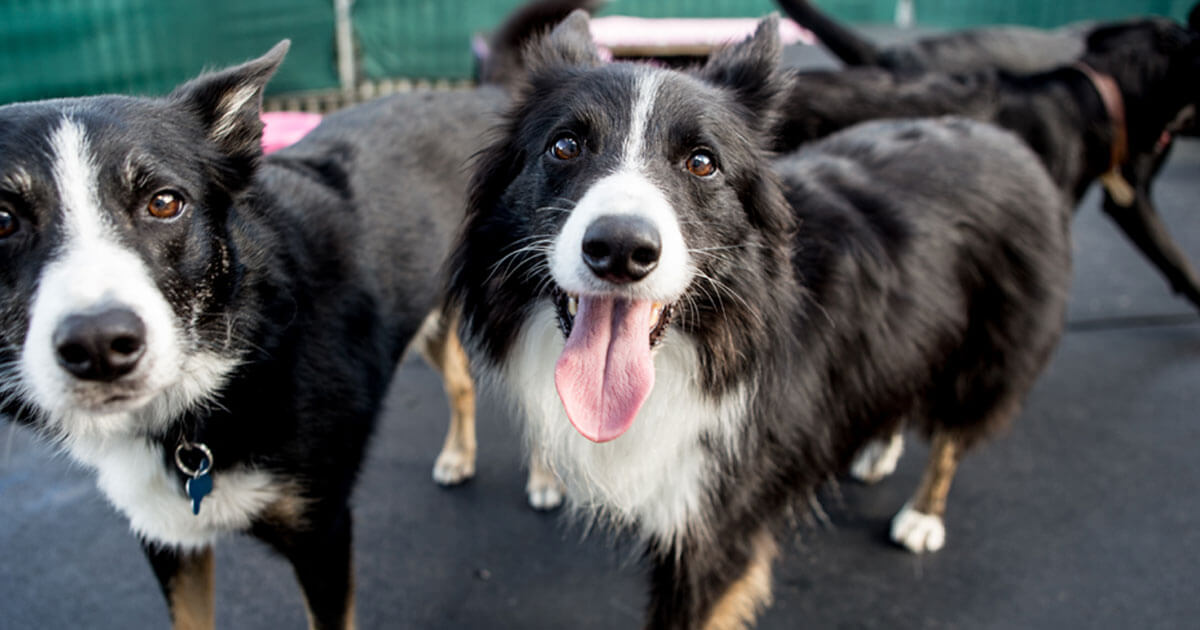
(697, 335)
(212, 332)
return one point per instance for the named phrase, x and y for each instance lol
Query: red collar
(1107, 88)
(1114, 105)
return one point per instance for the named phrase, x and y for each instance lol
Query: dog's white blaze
(648, 83)
(626, 192)
(132, 475)
(93, 270)
(659, 474)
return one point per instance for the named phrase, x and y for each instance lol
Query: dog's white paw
(918, 532)
(453, 467)
(544, 491)
(877, 459)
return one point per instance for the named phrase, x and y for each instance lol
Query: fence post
(344, 27)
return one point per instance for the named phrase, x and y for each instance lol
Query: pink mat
(283, 128)
(621, 32)
(621, 35)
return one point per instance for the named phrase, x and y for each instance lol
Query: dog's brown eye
(8, 223)
(165, 205)
(701, 164)
(565, 148)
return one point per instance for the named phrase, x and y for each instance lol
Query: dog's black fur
(902, 270)
(298, 278)
(1155, 63)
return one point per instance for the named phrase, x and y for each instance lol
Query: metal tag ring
(187, 470)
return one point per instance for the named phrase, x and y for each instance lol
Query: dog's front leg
(1143, 225)
(319, 547)
(186, 579)
(716, 586)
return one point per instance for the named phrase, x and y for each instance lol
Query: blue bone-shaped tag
(198, 487)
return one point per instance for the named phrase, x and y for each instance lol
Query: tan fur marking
(750, 594)
(192, 592)
(944, 455)
(348, 622)
(290, 510)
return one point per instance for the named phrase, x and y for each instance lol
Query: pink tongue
(605, 373)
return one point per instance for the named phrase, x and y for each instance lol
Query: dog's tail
(504, 63)
(850, 47)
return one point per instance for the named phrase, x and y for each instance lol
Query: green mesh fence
(1043, 13)
(52, 48)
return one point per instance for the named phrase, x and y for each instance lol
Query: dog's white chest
(131, 474)
(658, 475)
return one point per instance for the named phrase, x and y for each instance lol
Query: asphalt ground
(1083, 515)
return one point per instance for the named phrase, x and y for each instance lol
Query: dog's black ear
(1194, 18)
(229, 102)
(569, 44)
(751, 69)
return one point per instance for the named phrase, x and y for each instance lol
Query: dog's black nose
(621, 248)
(102, 346)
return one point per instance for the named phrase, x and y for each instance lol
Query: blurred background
(350, 49)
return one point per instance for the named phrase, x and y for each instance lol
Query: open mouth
(567, 307)
(606, 370)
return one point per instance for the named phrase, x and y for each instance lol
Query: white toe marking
(918, 532)
(453, 467)
(877, 459)
(544, 490)
(545, 498)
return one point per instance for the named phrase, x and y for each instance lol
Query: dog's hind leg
(713, 587)
(878, 458)
(444, 352)
(186, 579)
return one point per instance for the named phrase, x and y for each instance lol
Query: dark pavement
(1082, 516)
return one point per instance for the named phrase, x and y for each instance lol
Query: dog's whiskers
(537, 244)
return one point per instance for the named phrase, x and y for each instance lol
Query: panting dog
(697, 333)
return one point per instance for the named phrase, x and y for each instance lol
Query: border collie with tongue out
(697, 333)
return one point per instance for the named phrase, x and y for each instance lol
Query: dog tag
(198, 487)
(199, 483)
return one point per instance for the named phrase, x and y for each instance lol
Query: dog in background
(1016, 49)
(1110, 116)
(1105, 107)
(697, 334)
(212, 332)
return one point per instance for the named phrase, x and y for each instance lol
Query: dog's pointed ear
(751, 68)
(569, 44)
(1194, 18)
(229, 102)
